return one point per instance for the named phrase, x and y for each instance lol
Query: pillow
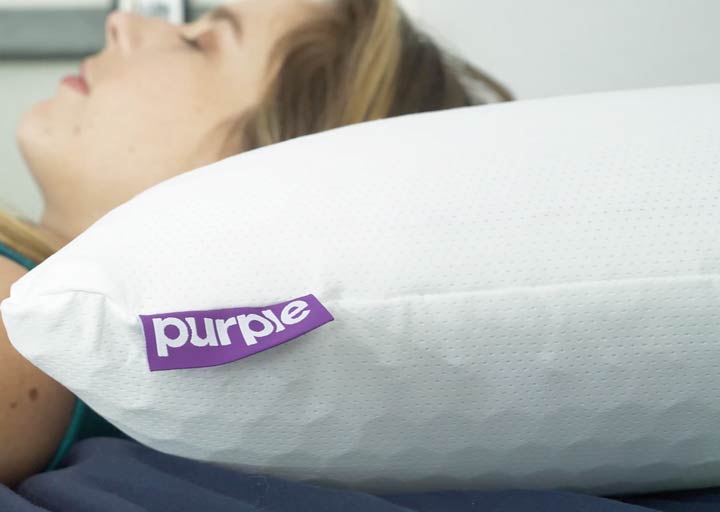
(516, 295)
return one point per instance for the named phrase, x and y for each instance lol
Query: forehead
(261, 14)
(271, 8)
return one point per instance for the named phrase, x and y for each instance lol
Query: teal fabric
(84, 422)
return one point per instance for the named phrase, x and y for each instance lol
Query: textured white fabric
(525, 295)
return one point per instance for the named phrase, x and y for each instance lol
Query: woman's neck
(51, 238)
(54, 233)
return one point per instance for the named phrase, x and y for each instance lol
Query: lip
(78, 82)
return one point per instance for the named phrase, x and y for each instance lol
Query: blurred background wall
(537, 48)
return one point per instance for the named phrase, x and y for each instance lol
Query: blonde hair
(363, 60)
(21, 235)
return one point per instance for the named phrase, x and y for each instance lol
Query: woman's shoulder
(36, 409)
(10, 271)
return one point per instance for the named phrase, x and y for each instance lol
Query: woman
(163, 99)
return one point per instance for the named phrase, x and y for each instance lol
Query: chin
(37, 137)
(33, 125)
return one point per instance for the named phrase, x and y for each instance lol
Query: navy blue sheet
(119, 475)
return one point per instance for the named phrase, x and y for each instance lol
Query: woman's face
(156, 107)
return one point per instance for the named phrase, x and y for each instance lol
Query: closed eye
(191, 43)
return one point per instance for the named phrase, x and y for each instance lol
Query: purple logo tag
(195, 339)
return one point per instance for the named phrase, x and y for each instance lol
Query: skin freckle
(33, 394)
(13, 405)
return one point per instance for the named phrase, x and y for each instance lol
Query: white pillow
(517, 295)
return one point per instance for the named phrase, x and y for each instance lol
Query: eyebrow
(222, 13)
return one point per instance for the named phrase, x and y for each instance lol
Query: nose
(128, 30)
(117, 29)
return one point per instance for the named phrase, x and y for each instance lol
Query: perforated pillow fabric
(516, 295)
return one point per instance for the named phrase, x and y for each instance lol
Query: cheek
(149, 125)
(153, 88)
(144, 109)
(245, 85)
